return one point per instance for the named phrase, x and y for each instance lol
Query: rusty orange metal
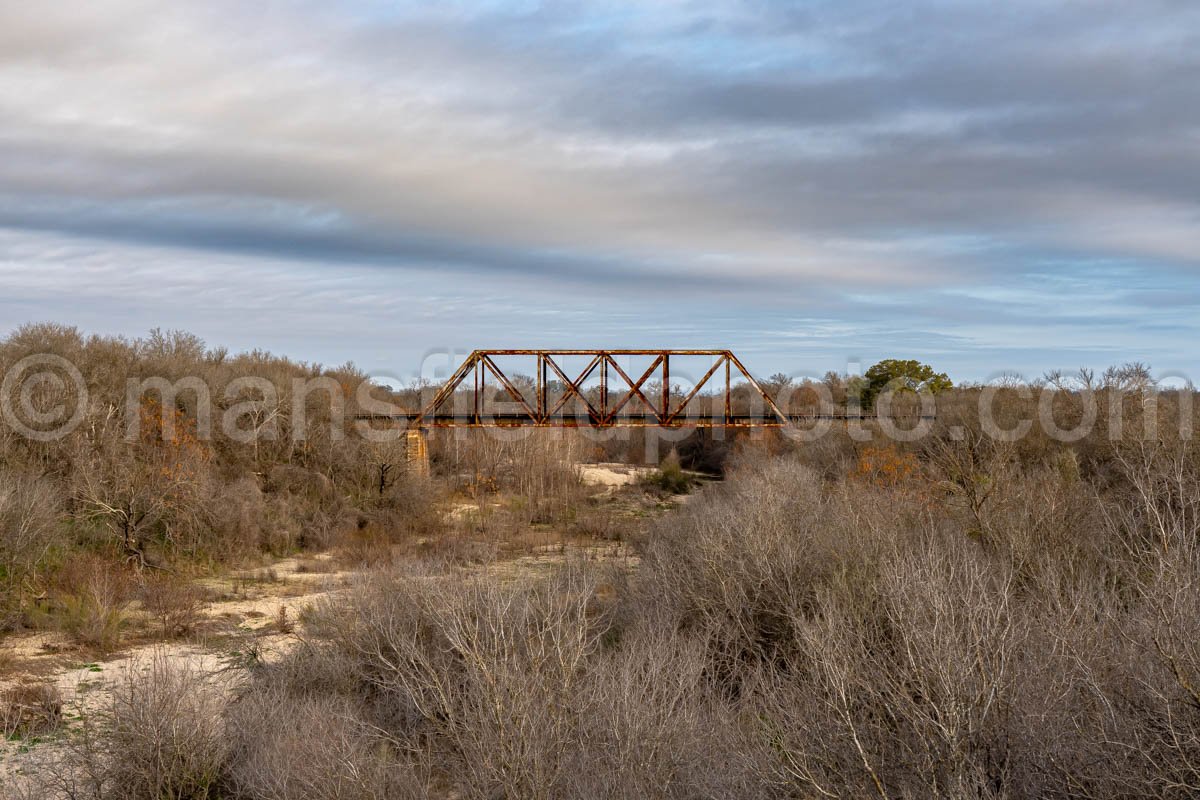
(460, 402)
(596, 408)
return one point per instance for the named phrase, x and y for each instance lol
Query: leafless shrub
(537, 466)
(29, 530)
(161, 736)
(91, 598)
(489, 671)
(297, 480)
(1155, 690)
(1156, 482)
(238, 519)
(409, 508)
(324, 527)
(366, 547)
(315, 566)
(929, 641)
(958, 642)
(304, 522)
(311, 747)
(604, 524)
(30, 709)
(965, 618)
(492, 522)
(173, 601)
(1040, 521)
(734, 566)
(652, 724)
(1108, 711)
(457, 550)
(283, 623)
(783, 636)
(147, 491)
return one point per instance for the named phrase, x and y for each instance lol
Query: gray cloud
(917, 166)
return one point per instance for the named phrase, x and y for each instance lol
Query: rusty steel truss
(617, 400)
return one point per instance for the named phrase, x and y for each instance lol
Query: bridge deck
(525, 421)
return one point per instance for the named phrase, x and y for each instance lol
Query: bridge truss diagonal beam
(607, 405)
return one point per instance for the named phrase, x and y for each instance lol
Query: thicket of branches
(957, 616)
(173, 491)
(961, 617)
(214, 460)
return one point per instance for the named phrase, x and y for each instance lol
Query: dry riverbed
(255, 615)
(251, 614)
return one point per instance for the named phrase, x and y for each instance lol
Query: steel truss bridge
(615, 398)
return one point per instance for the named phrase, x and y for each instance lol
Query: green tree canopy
(907, 375)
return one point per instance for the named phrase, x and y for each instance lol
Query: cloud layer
(987, 186)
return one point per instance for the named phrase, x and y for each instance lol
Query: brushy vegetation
(160, 736)
(962, 618)
(957, 616)
(103, 520)
(670, 478)
(30, 709)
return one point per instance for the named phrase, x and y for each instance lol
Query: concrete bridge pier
(417, 452)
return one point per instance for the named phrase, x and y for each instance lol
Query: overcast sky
(985, 186)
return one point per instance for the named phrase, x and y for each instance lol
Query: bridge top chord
(603, 394)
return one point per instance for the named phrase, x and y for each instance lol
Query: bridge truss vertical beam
(537, 411)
